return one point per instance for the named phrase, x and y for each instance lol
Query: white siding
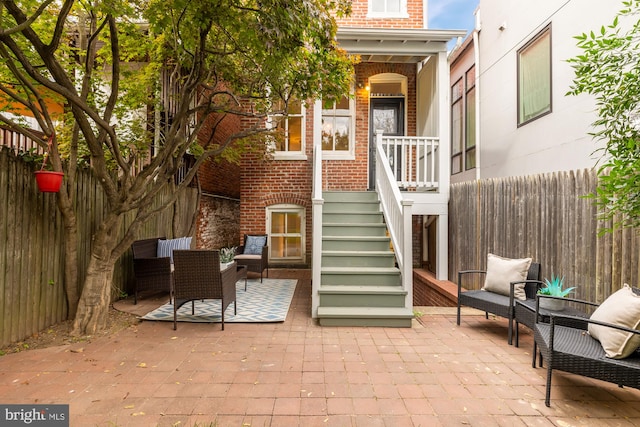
(555, 142)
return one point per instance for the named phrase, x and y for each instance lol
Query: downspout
(476, 54)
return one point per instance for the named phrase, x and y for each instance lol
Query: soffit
(395, 45)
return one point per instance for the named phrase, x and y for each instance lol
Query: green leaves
(608, 69)
(554, 287)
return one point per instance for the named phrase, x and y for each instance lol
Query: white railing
(397, 215)
(413, 160)
(318, 201)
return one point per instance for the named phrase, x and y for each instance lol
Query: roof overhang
(395, 45)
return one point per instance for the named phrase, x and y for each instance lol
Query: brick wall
(358, 17)
(267, 182)
(416, 236)
(428, 291)
(218, 176)
(218, 220)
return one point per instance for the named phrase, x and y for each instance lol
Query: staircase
(360, 283)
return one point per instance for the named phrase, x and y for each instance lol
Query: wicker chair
(197, 276)
(565, 345)
(151, 273)
(491, 302)
(256, 263)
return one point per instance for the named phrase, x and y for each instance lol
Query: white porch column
(444, 173)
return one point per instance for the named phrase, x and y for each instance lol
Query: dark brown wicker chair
(565, 345)
(151, 273)
(491, 302)
(255, 263)
(197, 276)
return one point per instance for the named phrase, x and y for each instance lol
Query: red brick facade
(217, 224)
(360, 9)
(265, 183)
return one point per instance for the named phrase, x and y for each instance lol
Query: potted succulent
(555, 288)
(226, 256)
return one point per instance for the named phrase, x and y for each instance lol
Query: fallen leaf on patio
(77, 350)
(129, 407)
(174, 338)
(135, 414)
(142, 365)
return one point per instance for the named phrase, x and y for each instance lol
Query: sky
(451, 14)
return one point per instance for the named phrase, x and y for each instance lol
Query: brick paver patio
(297, 373)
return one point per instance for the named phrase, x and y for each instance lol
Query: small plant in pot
(555, 288)
(227, 254)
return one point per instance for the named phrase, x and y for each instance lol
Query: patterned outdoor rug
(261, 303)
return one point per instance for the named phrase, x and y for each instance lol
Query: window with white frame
(387, 9)
(534, 77)
(286, 226)
(290, 124)
(337, 128)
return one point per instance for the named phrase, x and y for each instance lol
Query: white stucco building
(523, 121)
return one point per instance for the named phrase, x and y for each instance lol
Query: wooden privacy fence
(547, 218)
(32, 250)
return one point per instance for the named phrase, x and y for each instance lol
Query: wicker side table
(525, 313)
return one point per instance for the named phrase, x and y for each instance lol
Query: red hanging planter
(49, 181)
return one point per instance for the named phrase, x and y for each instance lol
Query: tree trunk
(93, 307)
(95, 299)
(71, 281)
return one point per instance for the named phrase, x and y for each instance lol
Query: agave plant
(554, 287)
(227, 254)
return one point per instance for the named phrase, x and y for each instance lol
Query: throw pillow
(254, 244)
(166, 247)
(502, 271)
(621, 308)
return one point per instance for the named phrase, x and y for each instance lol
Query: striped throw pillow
(166, 247)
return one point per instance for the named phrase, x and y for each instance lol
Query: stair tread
(375, 289)
(357, 224)
(360, 270)
(342, 237)
(379, 312)
(356, 252)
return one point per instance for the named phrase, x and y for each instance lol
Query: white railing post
(415, 160)
(317, 201)
(407, 249)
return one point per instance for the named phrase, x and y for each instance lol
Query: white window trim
(402, 14)
(350, 153)
(303, 222)
(290, 155)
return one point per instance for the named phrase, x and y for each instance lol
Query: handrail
(318, 201)
(397, 213)
(418, 156)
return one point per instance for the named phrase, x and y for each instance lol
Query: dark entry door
(386, 114)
